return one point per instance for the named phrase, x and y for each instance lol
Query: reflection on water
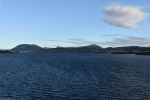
(46, 76)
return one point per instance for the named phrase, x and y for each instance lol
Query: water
(62, 76)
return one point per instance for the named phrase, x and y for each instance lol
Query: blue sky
(51, 23)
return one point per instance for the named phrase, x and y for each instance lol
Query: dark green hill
(27, 47)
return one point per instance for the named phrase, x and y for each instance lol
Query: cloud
(116, 42)
(76, 41)
(86, 42)
(129, 41)
(124, 16)
(120, 41)
(66, 41)
(112, 35)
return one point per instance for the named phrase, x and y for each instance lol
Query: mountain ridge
(93, 48)
(26, 47)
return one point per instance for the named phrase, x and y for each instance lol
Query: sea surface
(68, 76)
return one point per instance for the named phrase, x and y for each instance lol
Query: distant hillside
(83, 49)
(27, 47)
(93, 47)
(129, 48)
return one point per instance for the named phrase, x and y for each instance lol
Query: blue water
(66, 76)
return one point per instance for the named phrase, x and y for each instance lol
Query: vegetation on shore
(5, 52)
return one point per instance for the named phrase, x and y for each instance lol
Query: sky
(67, 23)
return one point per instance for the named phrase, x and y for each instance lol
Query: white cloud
(124, 16)
(112, 35)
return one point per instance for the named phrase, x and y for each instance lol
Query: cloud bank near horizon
(129, 41)
(116, 42)
(124, 16)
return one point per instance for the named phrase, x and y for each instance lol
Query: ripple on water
(74, 76)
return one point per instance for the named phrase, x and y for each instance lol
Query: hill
(138, 48)
(27, 47)
(92, 47)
